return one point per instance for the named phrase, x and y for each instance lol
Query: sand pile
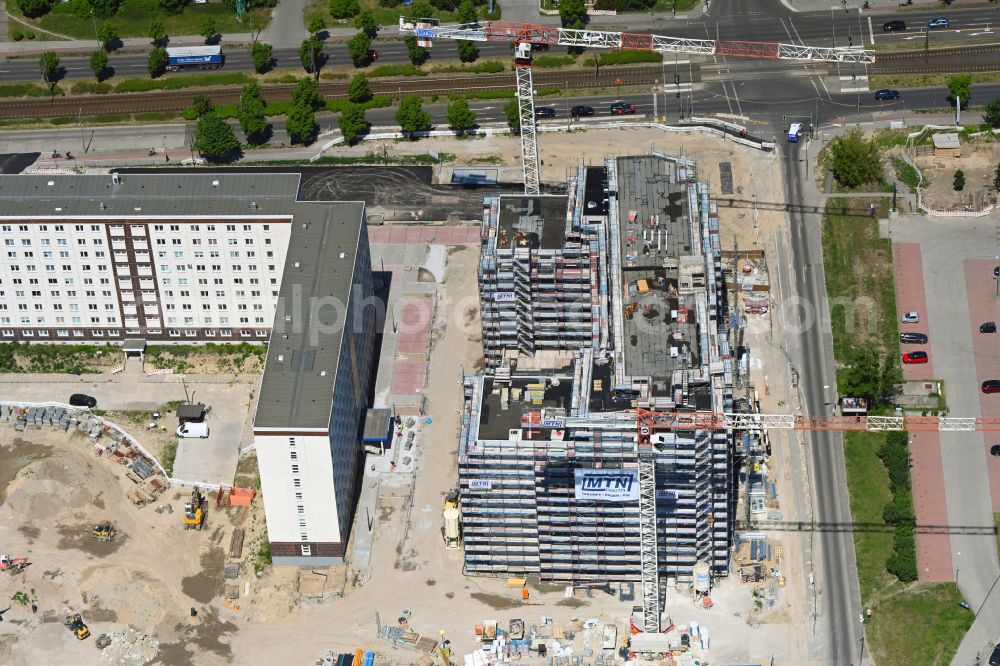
(135, 596)
(130, 648)
(47, 490)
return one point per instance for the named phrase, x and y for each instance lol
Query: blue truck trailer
(194, 57)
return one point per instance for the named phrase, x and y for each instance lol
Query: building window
(306, 549)
(295, 469)
(301, 508)
(293, 455)
(295, 482)
(298, 496)
(291, 441)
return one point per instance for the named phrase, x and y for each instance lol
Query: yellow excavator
(105, 532)
(194, 511)
(77, 626)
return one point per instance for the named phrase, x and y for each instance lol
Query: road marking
(871, 32)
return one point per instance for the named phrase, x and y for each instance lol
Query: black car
(913, 338)
(578, 111)
(995, 656)
(622, 108)
(82, 400)
(545, 112)
(988, 327)
(886, 94)
(995, 451)
(894, 26)
(996, 271)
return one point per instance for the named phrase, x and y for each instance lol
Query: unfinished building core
(594, 305)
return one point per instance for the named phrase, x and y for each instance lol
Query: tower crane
(523, 35)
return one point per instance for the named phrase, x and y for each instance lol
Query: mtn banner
(607, 485)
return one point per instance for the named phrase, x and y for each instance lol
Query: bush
(17, 35)
(958, 184)
(855, 160)
(30, 35)
(35, 8)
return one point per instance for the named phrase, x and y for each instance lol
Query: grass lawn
(186, 23)
(858, 266)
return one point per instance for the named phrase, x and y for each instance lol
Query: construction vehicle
(13, 565)
(194, 511)
(105, 531)
(77, 626)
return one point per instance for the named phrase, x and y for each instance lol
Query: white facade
(184, 278)
(297, 473)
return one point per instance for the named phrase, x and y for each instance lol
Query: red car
(915, 357)
(991, 386)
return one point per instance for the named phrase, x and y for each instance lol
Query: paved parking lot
(955, 259)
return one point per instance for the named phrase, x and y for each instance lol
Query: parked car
(939, 22)
(913, 338)
(991, 386)
(910, 318)
(193, 429)
(915, 357)
(83, 400)
(579, 111)
(885, 94)
(622, 108)
(894, 26)
(995, 451)
(988, 327)
(545, 112)
(996, 271)
(995, 656)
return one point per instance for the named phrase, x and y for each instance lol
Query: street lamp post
(996, 262)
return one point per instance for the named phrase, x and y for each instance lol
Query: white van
(794, 131)
(193, 429)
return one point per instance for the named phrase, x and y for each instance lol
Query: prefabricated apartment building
(595, 303)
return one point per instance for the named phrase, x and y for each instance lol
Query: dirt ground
(979, 163)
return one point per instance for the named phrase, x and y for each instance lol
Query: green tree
(467, 51)
(261, 54)
(572, 13)
(208, 29)
(301, 124)
(358, 90)
(352, 123)
(411, 115)
(48, 64)
(461, 118)
(958, 182)
(871, 375)
(307, 95)
(466, 12)
(996, 178)
(513, 113)
(252, 119)
(35, 8)
(157, 31)
(344, 9)
(316, 24)
(855, 160)
(358, 47)
(366, 23)
(960, 87)
(107, 35)
(311, 55)
(420, 9)
(99, 63)
(215, 139)
(992, 115)
(202, 104)
(157, 62)
(417, 53)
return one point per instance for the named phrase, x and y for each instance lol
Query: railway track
(914, 54)
(93, 105)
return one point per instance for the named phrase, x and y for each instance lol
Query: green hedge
(376, 102)
(90, 88)
(551, 61)
(21, 90)
(180, 82)
(485, 67)
(895, 455)
(401, 69)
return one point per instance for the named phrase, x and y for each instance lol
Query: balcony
(123, 271)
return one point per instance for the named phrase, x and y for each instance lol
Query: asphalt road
(834, 28)
(811, 348)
